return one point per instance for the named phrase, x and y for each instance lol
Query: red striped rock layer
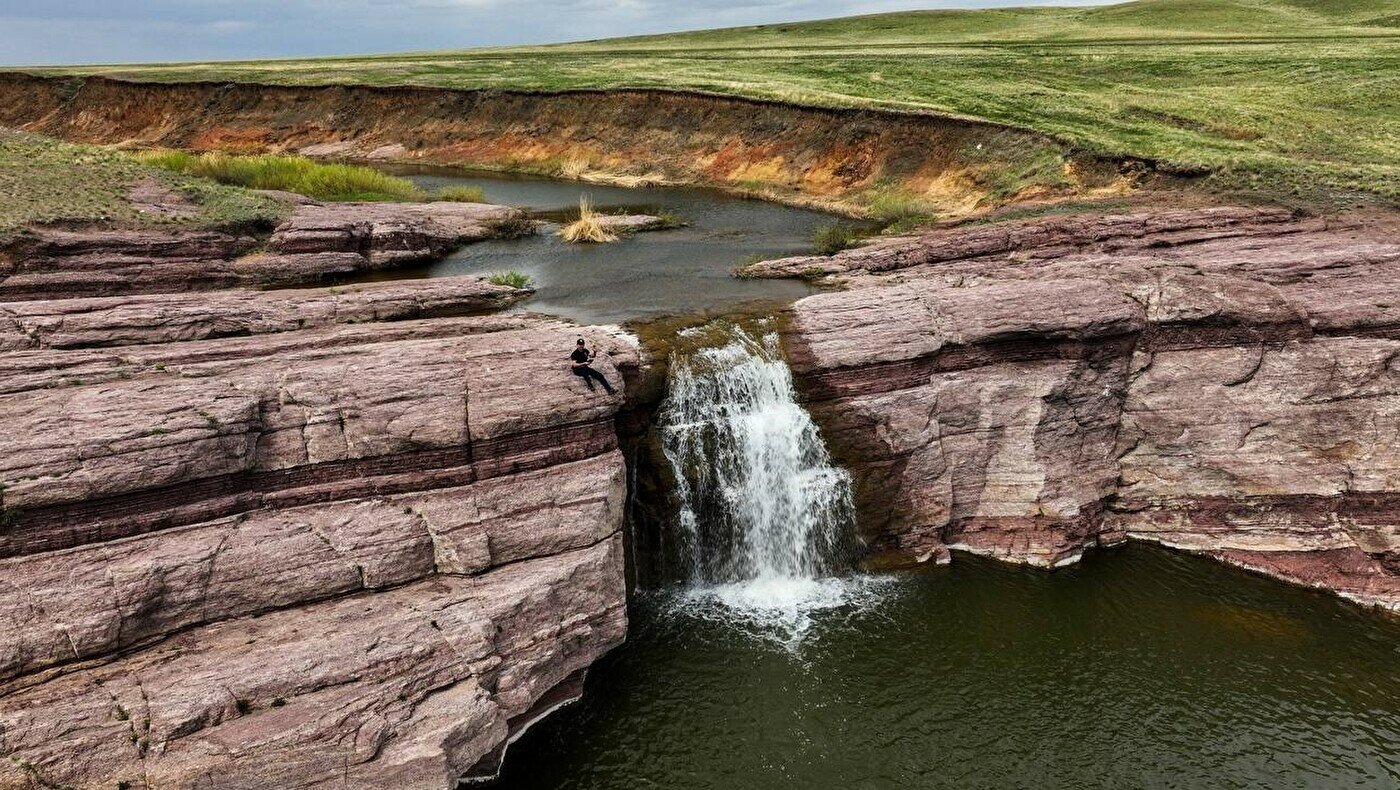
(1223, 380)
(352, 553)
(314, 243)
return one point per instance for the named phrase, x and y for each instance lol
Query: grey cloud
(38, 32)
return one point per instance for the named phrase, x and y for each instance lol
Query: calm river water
(645, 275)
(1139, 668)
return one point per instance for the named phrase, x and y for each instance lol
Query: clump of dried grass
(574, 169)
(588, 228)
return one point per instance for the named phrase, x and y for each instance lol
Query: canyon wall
(837, 157)
(344, 536)
(1223, 380)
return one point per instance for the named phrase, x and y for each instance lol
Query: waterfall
(766, 522)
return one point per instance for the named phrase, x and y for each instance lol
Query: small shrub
(278, 702)
(908, 224)
(463, 194)
(743, 270)
(670, 219)
(834, 238)
(588, 228)
(896, 208)
(244, 706)
(517, 226)
(512, 278)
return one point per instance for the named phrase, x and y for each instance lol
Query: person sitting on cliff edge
(579, 362)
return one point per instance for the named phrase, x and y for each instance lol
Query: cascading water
(766, 521)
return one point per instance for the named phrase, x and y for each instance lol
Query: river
(646, 275)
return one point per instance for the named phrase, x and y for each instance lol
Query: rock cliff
(351, 536)
(1221, 380)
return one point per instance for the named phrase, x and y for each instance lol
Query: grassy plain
(44, 181)
(1280, 95)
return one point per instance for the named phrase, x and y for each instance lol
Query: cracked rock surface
(1222, 380)
(316, 242)
(348, 536)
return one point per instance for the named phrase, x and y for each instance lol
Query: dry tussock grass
(588, 228)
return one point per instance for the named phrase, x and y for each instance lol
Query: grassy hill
(1284, 95)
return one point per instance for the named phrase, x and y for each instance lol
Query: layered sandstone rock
(324, 552)
(1221, 380)
(167, 318)
(315, 242)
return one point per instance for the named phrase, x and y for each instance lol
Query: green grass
(320, 180)
(461, 194)
(832, 239)
(1282, 95)
(44, 181)
(512, 278)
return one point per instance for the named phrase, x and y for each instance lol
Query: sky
(51, 32)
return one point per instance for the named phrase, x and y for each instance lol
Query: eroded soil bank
(850, 158)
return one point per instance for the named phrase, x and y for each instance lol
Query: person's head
(580, 343)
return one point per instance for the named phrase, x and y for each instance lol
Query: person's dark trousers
(589, 374)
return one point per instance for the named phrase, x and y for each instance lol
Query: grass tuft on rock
(511, 278)
(319, 180)
(462, 194)
(588, 228)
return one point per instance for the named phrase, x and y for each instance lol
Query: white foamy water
(767, 521)
(784, 611)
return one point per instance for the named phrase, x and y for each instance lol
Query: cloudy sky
(39, 32)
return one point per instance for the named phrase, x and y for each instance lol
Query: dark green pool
(1138, 668)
